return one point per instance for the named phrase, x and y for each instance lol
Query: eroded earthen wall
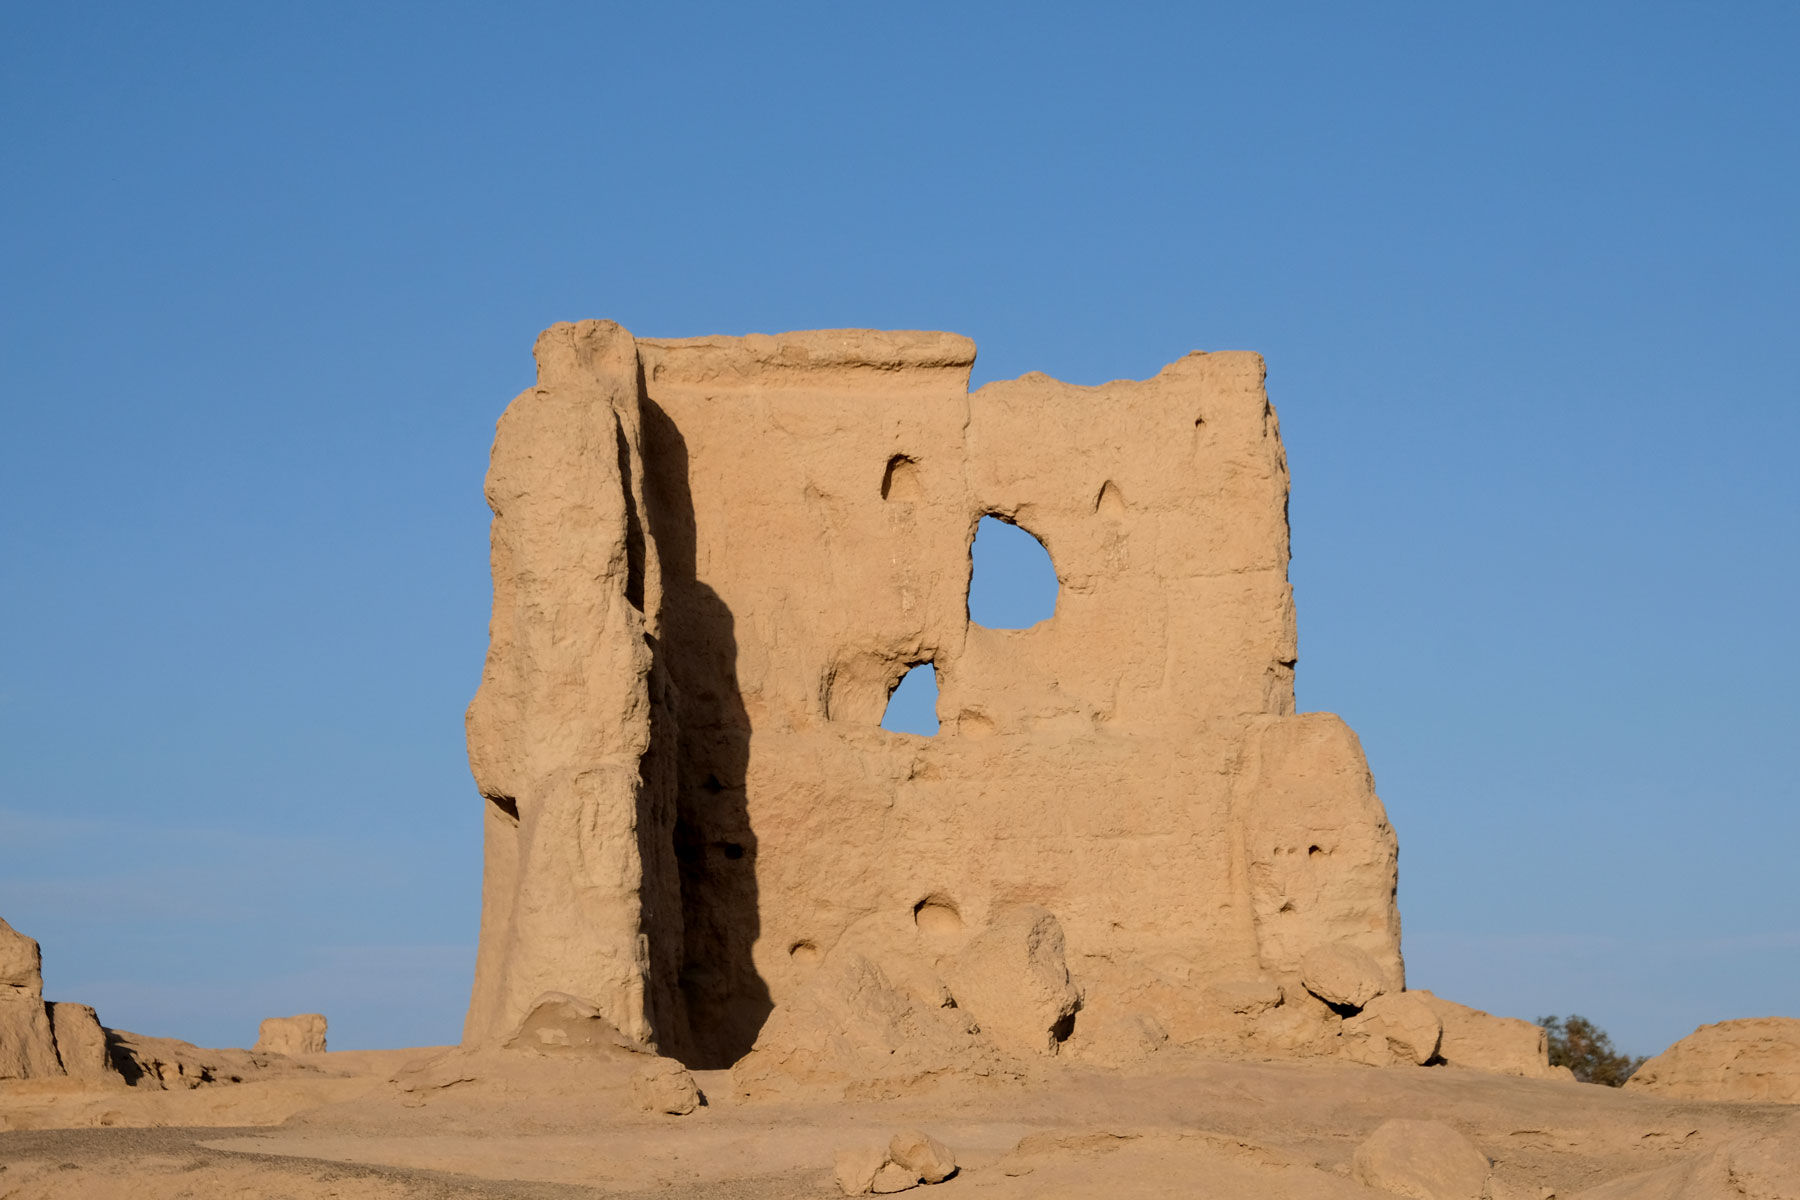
(714, 558)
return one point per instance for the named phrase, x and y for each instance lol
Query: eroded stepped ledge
(713, 560)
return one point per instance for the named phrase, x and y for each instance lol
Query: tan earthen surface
(510, 1124)
(713, 561)
(1472, 1038)
(27, 1044)
(1422, 1160)
(302, 1034)
(1755, 1059)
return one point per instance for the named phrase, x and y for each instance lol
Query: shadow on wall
(700, 735)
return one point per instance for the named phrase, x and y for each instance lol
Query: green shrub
(1583, 1047)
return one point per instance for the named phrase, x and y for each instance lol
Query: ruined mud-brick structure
(713, 560)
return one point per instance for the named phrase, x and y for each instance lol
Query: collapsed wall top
(713, 560)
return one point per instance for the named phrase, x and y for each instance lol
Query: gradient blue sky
(1525, 276)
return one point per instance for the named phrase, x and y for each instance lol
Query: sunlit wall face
(1012, 585)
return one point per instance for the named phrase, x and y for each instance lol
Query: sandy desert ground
(1189, 1127)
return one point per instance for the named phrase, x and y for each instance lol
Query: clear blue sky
(1527, 278)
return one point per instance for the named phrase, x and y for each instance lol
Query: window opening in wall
(912, 705)
(1012, 583)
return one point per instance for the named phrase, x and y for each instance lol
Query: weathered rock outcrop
(301, 1034)
(41, 1040)
(910, 1158)
(1756, 1059)
(27, 1043)
(175, 1065)
(1343, 975)
(1507, 1045)
(713, 561)
(81, 1043)
(1396, 1027)
(662, 1085)
(870, 1025)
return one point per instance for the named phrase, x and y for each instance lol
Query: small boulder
(893, 1178)
(1480, 1040)
(857, 1167)
(922, 1154)
(1421, 1160)
(1012, 976)
(1396, 1027)
(302, 1034)
(910, 1158)
(662, 1085)
(1339, 973)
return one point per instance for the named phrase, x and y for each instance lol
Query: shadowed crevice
(700, 734)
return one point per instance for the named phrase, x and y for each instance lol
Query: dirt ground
(1190, 1127)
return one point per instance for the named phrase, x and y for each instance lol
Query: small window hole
(1012, 582)
(912, 705)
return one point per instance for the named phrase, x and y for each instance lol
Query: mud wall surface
(714, 558)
